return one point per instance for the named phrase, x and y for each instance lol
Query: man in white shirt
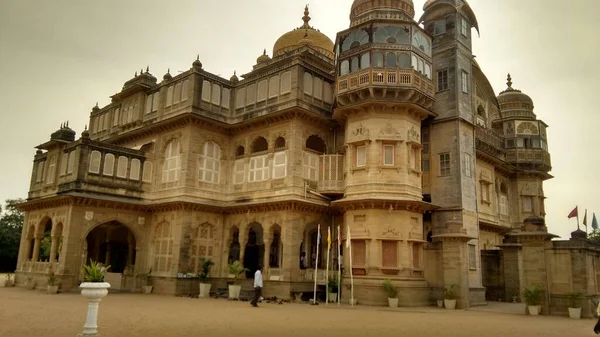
(258, 284)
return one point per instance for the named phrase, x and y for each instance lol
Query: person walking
(258, 284)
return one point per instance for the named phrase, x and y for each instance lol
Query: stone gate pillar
(455, 260)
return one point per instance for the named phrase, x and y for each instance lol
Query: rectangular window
(440, 27)
(39, 174)
(463, 27)
(155, 99)
(259, 169)
(361, 156)
(389, 254)
(116, 117)
(239, 171)
(388, 155)
(444, 164)
(359, 252)
(184, 90)
(71, 162)
(468, 165)
(279, 165)
(147, 174)
(64, 158)
(472, 257)
(415, 162)
(148, 104)
(310, 166)
(485, 192)
(51, 171)
(416, 255)
(442, 80)
(169, 96)
(177, 93)
(425, 165)
(527, 204)
(464, 80)
(503, 204)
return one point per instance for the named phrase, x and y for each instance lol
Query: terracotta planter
(450, 304)
(234, 292)
(94, 292)
(575, 313)
(205, 290)
(147, 289)
(393, 302)
(534, 310)
(52, 290)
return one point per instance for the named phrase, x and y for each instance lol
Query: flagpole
(327, 269)
(578, 217)
(339, 249)
(317, 263)
(351, 276)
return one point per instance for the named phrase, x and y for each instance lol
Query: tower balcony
(331, 174)
(529, 159)
(489, 141)
(398, 85)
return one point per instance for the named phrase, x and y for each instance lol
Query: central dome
(360, 7)
(305, 35)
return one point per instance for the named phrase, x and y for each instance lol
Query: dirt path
(31, 313)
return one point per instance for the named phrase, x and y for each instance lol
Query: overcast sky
(58, 58)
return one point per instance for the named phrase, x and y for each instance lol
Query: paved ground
(32, 313)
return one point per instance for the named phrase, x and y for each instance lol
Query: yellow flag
(328, 237)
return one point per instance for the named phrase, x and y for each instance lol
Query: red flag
(573, 213)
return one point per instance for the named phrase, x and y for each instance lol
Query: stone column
(243, 238)
(53, 248)
(291, 237)
(265, 263)
(131, 250)
(27, 249)
(36, 249)
(455, 260)
(107, 257)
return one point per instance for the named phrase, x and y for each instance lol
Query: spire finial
(509, 81)
(265, 51)
(62, 126)
(147, 69)
(96, 104)
(85, 128)
(306, 18)
(198, 57)
(135, 75)
(234, 72)
(67, 123)
(168, 70)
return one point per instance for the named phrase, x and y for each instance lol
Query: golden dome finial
(306, 18)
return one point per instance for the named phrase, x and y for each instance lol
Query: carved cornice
(393, 205)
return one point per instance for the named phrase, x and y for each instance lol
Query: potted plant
(203, 276)
(574, 307)
(30, 284)
(332, 288)
(147, 287)
(533, 298)
(392, 293)
(94, 289)
(236, 270)
(9, 281)
(52, 287)
(450, 297)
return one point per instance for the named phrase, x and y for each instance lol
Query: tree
(11, 226)
(594, 236)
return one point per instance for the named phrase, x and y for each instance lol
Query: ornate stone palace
(393, 131)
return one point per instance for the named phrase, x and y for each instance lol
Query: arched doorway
(234, 246)
(255, 249)
(112, 244)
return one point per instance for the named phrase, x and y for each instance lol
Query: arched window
(172, 162)
(390, 34)
(163, 248)
(260, 144)
(122, 167)
(216, 94)
(202, 248)
(39, 174)
(134, 173)
(95, 158)
(147, 174)
(316, 144)
(184, 90)
(210, 164)
(279, 143)
(344, 67)
(109, 164)
(240, 151)
(378, 60)
(308, 84)
(64, 158)
(177, 93)
(355, 39)
(354, 66)
(365, 61)
(169, 96)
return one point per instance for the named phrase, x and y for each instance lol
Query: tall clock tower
(384, 90)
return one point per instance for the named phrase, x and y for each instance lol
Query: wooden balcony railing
(489, 140)
(534, 156)
(401, 78)
(331, 174)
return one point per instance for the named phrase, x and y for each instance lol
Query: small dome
(64, 133)
(513, 99)
(167, 76)
(263, 58)
(197, 63)
(291, 40)
(360, 7)
(234, 78)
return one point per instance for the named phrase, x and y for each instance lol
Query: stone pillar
(27, 249)
(53, 248)
(265, 262)
(36, 249)
(130, 250)
(455, 260)
(107, 257)
(291, 237)
(243, 238)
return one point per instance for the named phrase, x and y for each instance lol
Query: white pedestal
(94, 292)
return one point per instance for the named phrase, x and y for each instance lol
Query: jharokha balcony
(331, 175)
(489, 141)
(396, 84)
